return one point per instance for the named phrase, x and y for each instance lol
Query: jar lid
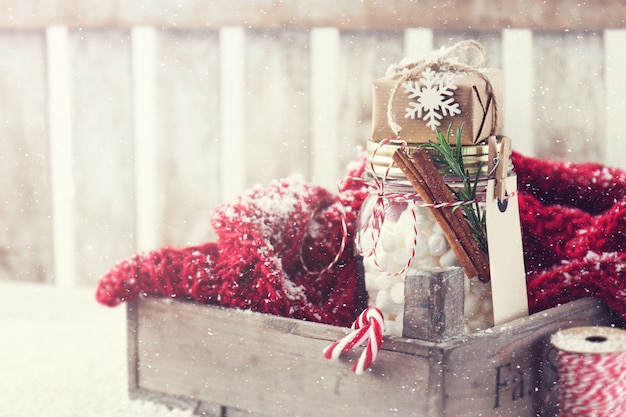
(381, 157)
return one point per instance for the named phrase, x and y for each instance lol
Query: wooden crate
(225, 362)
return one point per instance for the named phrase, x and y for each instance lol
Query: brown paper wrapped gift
(479, 115)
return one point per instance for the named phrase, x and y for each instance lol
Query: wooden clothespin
(499, 160)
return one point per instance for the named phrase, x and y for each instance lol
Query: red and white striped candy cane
(367, 328)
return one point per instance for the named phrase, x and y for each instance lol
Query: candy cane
(367, 328)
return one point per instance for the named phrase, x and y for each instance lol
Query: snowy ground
(64, 355)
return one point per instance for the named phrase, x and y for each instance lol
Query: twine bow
(442, 60)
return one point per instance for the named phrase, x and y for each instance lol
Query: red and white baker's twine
(591, 384)
(370, 325)
(377, 218)
(367, 329)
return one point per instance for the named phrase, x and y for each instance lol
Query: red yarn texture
(274, 243)
(273, 248)
(573, 220)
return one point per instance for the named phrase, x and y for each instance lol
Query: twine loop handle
(443, 60)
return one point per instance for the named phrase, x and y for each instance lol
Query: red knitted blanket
(275, 253)
(573, 220)
(275, 244)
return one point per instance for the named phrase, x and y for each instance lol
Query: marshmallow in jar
(399, 235)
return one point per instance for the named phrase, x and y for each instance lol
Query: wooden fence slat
(147, 194)
(364, 57)
(277, 114)
(232, 136)
(417, 42)
(61, 156)
(517, 59)
(615, 76)
(324, 106)
(187, 124)
(25, 200)
(102, 146)
(569, 95)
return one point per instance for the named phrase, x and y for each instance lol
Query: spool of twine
(591, 372)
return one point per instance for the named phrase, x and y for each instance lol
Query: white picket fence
(119, 140)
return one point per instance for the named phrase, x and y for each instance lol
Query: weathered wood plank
(132, 338)
(569, 98)
(348, 14)
(324, 86)
(434, 303)
(210, 410)
(490, 40)
(103, 149)
(234, 412)
(417, 42)
(504, 371)
(187, 132)
(615, 73)
(26, 203)
(517, 64)
(233, 166)
(211, 351)
(277, 105)
(206, 353)
(176, 158)
(147, 146)
(61, 155)
(364, 57)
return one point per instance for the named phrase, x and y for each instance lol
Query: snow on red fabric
(573, 219)
(274, 244)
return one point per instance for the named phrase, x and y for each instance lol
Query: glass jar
(398, 234)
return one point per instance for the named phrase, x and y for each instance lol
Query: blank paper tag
(506, 257)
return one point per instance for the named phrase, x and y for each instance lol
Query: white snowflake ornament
(434, 97)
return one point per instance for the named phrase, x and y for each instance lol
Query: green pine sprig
(452, 158)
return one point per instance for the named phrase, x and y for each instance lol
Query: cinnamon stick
(428, 183)
(458, 221)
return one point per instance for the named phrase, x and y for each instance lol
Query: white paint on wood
(324, 106)
(569, 94)
(277, 105)
(615, 73)
(146, 153)
(418, 42)
(187, 128)
(517, 64)
(365, 56)
(231, 113)
(26, 247)
(61, 155)
(103, 149)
